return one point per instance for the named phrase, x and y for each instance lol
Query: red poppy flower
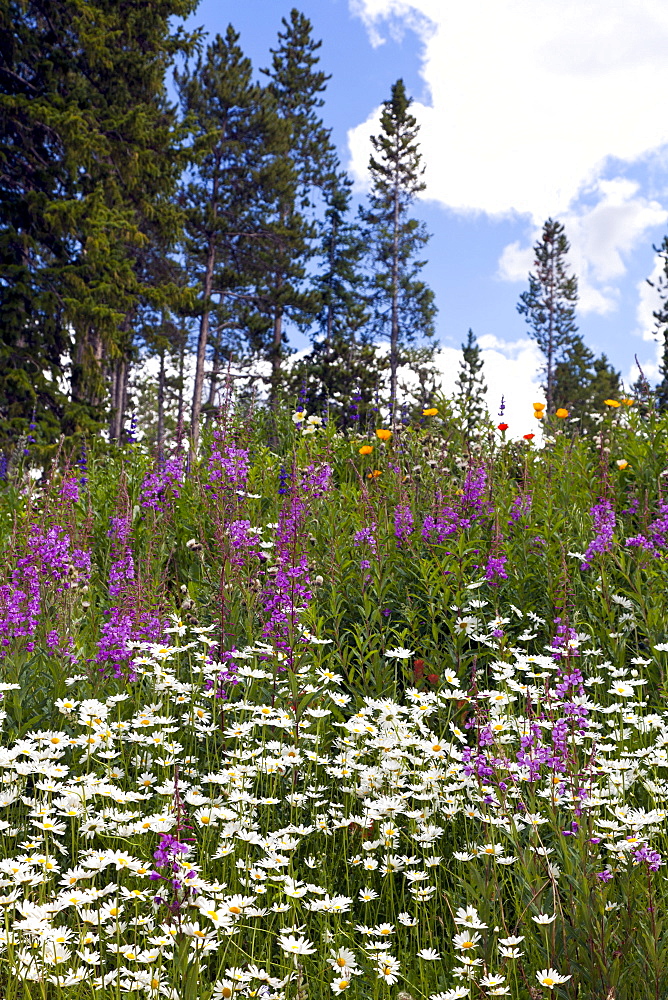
(503, 427)
(528, 437)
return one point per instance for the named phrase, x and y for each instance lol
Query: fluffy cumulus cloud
(649, 302)
(510, 371)
(529, 98)
(602, 235)
(535, 109)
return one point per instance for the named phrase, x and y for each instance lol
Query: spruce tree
(471, 387)
(293, 180)
(573, 376)
(549, 304)
(403, 305)
(344, 367)
(582, 382)
(224, 107)
(93, 149)
(661, 325)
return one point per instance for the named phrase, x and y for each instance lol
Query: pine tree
(471, 386)
(403, 305)
(661, 321)
(606, 382)
(343, 309)
(93, 148)
(573, 377)
(549, 304)
(344, 367)
(292, 180)
(224, 106)
(582, 381)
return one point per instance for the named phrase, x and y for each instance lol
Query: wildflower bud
(188, 603)
(319, 580)
(312, 539)
(272, 570)
(183, 588)
(85, 604)
(432, 463)
(193, 544)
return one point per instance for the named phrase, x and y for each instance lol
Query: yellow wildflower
(383, 435)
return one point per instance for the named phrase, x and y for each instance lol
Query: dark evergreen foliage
(403, 305)
(549, 304)
(89, 152)
(471, 387)
(661, 318)
(582, 382)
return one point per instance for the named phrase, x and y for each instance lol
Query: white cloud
(531, 103)
(602, 237)
(649, 301)
(529, 99)
(510, 370)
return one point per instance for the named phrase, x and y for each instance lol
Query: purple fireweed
(170, 870)
(289, 590)
(651, 858)
(495, 568)
(69, 490)
(228, 466)
(655, 539)
(469, 508)
(118, 635)
(604, 527)
(161, 486)
(244, 541)
(122, 568)
(403, 522)
(520, 507)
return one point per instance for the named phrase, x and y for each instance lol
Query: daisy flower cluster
(292, 826)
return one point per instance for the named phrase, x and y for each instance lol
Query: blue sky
(527, 110)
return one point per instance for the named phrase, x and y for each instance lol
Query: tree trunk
(113, 379)
(201, 346)
(161, 409)
(549, 388)
(179, 411)
(329, 329)
(215, 368)
(277, 341)
(118, 392)
(394, 332)
(123, 396)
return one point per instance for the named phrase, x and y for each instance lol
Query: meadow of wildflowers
(378, 714)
